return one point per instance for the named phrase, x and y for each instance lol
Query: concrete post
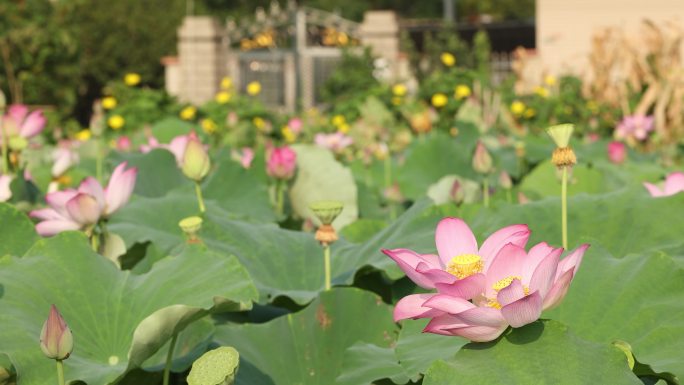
(200, 58)
(380, 31)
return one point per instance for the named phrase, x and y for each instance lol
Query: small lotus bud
(282, 163)
(617, 152)
(196, 162)
(56, 340)
(191, 226)
(505, 180)
(482, 161)
(522, 198)
(326, 211)
(457, 194)
(561, 134)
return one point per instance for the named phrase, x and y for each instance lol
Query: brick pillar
(380, 31)
(200, 55)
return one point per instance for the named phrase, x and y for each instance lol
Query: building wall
(565, 27)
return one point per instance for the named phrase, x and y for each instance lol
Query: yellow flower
(541, 91)
(550, 80)
(288, 135)
(592, 106)
(254, 88)
(83, 135)
(462, 91)
(109, 102)
(208, 126)
(399, 90)
(439, 100)
(116, 122)
(396, 100)
(343, 128)
(338, 120)
(223, 97)
(132, 79)
(530, 112)
(259, 123)
(188, 113)
(448, 59)
(226, 83)
(517, 108)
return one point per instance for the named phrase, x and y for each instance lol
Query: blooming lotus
(635, 127)
(282, 162)
(483, 291)
(674, 183)
(244, 156)
(63, 158)
(19, 123)
(79, 209)
(152, 143)
(334, 142)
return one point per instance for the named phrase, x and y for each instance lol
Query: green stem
(485, 192)
(280, 197)
(200, 200)
(5, 164)
(60, 372)
(169, 359)
(99, 160)
(94, 240)
(564, 206)
(388, 171)
(509, 198)
(326, 257)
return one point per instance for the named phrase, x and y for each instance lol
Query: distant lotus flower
(56, 340)
(78, 209)
(617, 152)
(459, 263)
(281, 163)
(518, 286)
(244, 156)
(295, 125)
(635, 127)
(152, 143)
(19, 123)
(124, 144)
(5, 192)
(335, 142)
(674, 183)
(64, 159)
(482, 161)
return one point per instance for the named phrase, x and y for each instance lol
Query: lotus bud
(563, 155)
(457, 194)
(617, 152)
(282, 162)
(191, 226)
(505, 181)
(196, 162)
(56, 340)
(482, 161)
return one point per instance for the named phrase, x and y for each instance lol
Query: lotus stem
(564, 206)
(99, 162)
(60, 372)
(169, 359)
(280, 198)
(94, 241)
(509, 197)
(200, 200)
(388, 171)
(326, 257)
(485, 192)
(5, 164)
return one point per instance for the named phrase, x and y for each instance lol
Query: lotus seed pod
(191, 226)
(326, 235)
(326, 211)
(561, 134)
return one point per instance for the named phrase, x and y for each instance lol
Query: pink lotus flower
(5, 192)
(335, 142)
(124, 144)
(482, 292)
(458, 255)
(64, 158)
(79, 209)
(634, 127)
(152, 143)
(295, 125)
(674, 183)
(244, 156)
(18, 122)
(617, 152)
(282, 162)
